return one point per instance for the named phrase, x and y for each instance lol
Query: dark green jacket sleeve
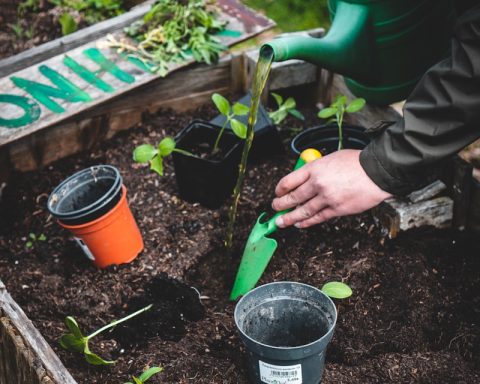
(441, 116)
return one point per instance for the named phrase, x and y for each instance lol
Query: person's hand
(334, 185)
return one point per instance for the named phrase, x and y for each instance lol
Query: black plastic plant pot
(325, 138)
(286, 327)
(202, 180)
(86, 195)
(267, 141)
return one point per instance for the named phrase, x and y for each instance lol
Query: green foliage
(17, 29)
(294, 15)
(336, 112)
(230, 112)
(33, 239)
(68, 23)
(285, 107)
(337, 290)
(145, 375)
(75, 341)
(147, 153)
(174, 31)
(92, 11)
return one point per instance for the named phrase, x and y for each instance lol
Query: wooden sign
(69, 83)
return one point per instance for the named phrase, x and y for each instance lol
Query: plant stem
(340, 129)
(183, 152)
(116, 322)
(217, 141)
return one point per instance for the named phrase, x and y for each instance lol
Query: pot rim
(328, 334)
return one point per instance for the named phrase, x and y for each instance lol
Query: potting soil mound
(413, 318)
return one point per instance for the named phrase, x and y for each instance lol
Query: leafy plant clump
(174, 31)
(284, 108)
(33, 239)
(337, 290)
(145, 375)
(147, 153)
(75, 341)
(336, 111)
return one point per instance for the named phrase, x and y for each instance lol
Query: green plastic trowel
(260, 248)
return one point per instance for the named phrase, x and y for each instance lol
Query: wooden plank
(183, 90)
(64, 44)
(398, 215)
(461, 191)
(238, 17)
(25, 356)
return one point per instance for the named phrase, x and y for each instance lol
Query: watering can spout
(346, 49)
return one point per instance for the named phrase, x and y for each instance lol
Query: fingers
(292, 181)
(300, 214)
(294, 198)
(320, 217)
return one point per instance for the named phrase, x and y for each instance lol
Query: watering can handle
(307, 156)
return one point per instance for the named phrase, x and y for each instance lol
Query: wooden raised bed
(25, 357)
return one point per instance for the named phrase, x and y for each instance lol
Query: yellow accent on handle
(310, 154)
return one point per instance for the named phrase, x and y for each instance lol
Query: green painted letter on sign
(65, 90)
(30, 108)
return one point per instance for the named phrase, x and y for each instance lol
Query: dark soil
(413, 318)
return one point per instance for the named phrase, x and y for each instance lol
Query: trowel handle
(307, 156)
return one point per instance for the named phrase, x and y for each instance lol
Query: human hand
(335, 185)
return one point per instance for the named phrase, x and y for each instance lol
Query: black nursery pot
(208, 182)
(325, 138)
(286, 328)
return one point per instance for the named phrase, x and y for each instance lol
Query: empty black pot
(286, 327)
(325, 138)
(208, 182)
(86, 195)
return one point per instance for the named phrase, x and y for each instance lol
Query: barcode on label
(280, 374)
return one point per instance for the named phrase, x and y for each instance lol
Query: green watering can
(382, 47)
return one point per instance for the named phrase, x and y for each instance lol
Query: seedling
(337, 110)
(147, 153)
(285, 107)
(224, 107)
(337, 290)
(75, 341)
(32, 240)
(145, 375)
(68, 23)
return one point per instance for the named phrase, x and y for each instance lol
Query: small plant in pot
(205, 158)
(336, 134)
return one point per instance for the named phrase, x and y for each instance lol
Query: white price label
(278, 374)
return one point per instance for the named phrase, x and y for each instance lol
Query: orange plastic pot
(113, 238)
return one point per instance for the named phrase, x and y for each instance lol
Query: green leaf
(166, 146)
(240, 109)
(296, 113)
(337, 290)
(355, 105)
(278, 116)
(239, 128)
(278, 98)
(339, 101)
(29, 244)
(94, 359)
(325, 113)
(72, 343)
(156, 164)
(290, 103)
(32, 236)
(144, 153)
(137, 380)
(149, 373)
(221, 103)
(68, 23)
(42, 237)
(73, 327)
